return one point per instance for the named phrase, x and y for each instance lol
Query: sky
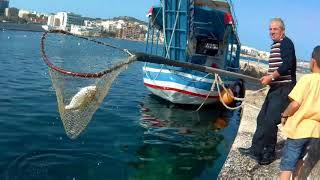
(301, 17)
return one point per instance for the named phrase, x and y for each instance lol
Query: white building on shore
(23, 13)
(85, 30)
(11, 12)
(253, 52)
(110, 25)
(64, 20)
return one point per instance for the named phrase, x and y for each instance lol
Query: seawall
(21, 27)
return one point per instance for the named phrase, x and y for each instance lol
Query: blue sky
(302, 17)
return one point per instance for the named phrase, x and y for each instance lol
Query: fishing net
(82, 71)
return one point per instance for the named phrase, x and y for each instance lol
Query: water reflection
(179, 142)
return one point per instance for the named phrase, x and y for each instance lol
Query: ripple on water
(64, 164)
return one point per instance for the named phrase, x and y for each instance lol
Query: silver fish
(82, 98)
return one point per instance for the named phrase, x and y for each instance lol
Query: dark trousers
(265, 137)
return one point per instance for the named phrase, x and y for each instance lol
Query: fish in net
(82, 71)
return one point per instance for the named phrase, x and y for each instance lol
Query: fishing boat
(201, 32)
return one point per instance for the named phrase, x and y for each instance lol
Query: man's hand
(265, 80)
(283, 120)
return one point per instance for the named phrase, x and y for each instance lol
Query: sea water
(133, 135)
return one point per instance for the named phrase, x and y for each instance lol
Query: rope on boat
(218, 82)
(211, 90)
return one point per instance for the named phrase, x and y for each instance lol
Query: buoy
(227, 96)
(220, 123)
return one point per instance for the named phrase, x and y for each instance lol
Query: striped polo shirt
(283, 59)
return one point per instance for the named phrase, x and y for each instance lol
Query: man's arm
(265, 80)
(287, 56)
(290, 110)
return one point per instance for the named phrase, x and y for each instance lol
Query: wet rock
(253, 69)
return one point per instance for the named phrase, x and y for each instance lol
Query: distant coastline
(21, 27)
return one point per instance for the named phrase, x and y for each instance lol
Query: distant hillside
(128, 18)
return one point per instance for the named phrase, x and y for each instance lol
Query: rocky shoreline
(238, 166)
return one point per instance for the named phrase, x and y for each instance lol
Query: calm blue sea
(133, 135)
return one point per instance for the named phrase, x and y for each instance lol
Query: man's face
(276, 32)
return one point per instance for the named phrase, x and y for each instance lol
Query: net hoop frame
(81, 74)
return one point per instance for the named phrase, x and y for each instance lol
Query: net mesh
(78, 98)
(82, 72)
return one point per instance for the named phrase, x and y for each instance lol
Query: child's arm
(297, 96)
(290, 110)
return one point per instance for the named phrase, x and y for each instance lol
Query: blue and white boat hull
(180, 86)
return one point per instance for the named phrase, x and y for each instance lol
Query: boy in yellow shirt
(301, 119)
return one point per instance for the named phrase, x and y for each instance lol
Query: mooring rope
(218, 82)
(211, 90)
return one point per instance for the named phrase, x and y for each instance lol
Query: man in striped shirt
(281, 77)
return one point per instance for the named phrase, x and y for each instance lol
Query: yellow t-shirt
(305, 123)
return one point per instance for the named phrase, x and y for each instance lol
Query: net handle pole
(161, 60)
(136, 57)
